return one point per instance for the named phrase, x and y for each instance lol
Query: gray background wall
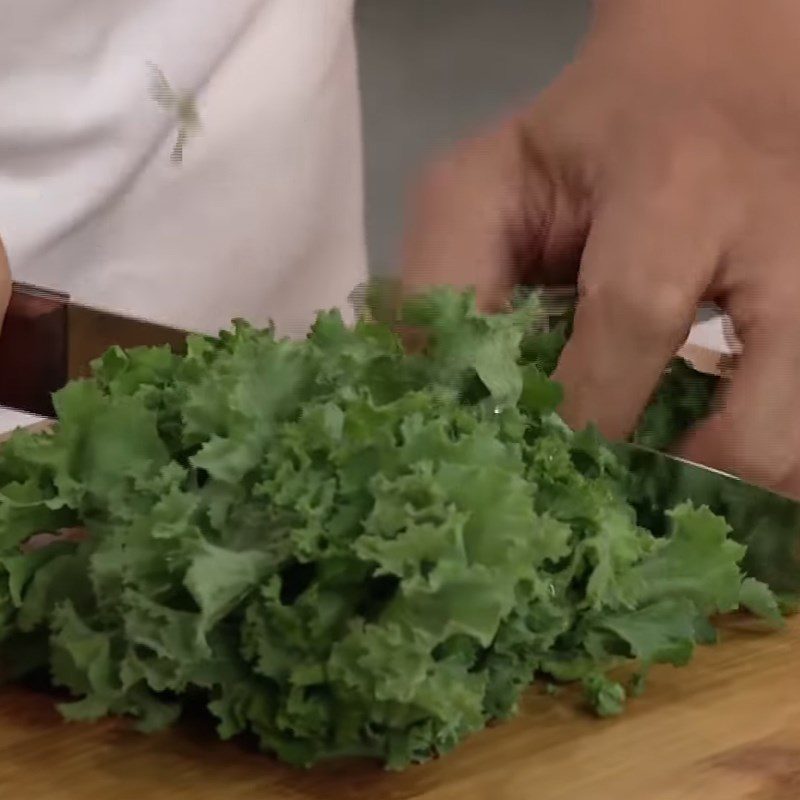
(432, 70)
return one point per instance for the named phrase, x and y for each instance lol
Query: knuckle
(435, 180)
(657, 312)
(445, 182)
(680, 164)
(691, 150)
(771, 313)
(473, 162)
(768, 463)
(773, 473)
(669, 307)
(753, 436)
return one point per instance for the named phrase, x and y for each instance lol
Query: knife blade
(47, 340)
(768, 524)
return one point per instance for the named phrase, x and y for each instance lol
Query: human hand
(662, 169)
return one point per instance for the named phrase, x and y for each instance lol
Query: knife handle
(33, 352)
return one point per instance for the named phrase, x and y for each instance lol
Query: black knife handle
(33, 352)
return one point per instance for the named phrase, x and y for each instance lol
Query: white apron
(263, 217)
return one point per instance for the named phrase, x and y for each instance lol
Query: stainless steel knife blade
(47, 340)
(766, 522)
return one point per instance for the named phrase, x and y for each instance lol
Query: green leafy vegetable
(342, 548)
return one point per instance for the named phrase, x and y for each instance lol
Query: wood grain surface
(725, 728)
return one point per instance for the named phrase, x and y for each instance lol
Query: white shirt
(263, 217)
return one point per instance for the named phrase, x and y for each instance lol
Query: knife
(47, 340)
(768, 524)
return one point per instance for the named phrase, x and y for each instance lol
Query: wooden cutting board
(725, 728)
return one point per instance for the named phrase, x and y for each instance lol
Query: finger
(640, 282)
(755, 433)
(476, 218)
